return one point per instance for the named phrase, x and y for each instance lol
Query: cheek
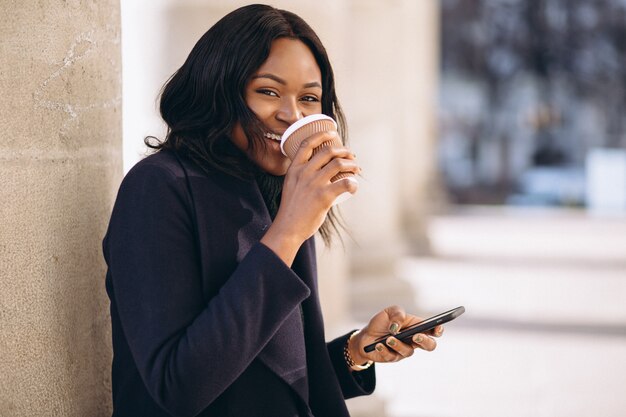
(261, 108)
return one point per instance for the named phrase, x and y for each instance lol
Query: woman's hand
(308, 193)
(390, 320)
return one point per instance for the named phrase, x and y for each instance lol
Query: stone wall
(60, 165)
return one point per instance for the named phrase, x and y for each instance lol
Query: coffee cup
(306, 127)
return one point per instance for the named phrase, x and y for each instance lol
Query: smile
(272, 136)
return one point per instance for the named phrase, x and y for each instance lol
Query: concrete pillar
(60, 114)
(420, 190)
(384, 112)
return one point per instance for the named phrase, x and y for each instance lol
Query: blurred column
(420, 191)
(393, 79)
(61, 163)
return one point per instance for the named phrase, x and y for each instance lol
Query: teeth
(272, 136)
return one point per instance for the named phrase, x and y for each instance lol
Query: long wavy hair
(204, 99)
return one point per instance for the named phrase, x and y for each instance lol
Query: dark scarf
(271, 188)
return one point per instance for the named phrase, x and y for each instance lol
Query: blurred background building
(531, 91)
(493, 143)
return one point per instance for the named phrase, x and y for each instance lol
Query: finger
(405, 350)
(327, 155)
(436, 332)
(345, 184)
(338, 165)
(384, 354)
(424, 342)
(396, 316)
(305, 151)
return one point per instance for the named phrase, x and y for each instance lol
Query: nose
(289, 111)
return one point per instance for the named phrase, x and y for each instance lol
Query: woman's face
(285, 88)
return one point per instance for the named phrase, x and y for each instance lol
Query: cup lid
(299, 123)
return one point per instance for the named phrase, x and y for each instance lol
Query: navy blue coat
(205, 318)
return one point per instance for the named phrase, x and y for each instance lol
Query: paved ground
(545, 328)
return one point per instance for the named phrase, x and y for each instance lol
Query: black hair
(205, 98)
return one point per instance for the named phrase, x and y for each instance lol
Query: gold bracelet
(348, 357)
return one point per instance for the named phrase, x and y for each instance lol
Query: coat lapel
(285, 353)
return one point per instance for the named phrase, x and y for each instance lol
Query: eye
(267, 92)
(310, 99)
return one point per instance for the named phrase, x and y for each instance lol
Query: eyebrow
(283, 82)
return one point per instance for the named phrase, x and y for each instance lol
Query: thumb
(396, 316)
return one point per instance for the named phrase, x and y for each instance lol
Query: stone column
(60, 165)
(386, 114)
(420, 191)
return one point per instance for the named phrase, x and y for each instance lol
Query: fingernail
(391, 341)
(379, 347)
(393, 329)
(418, 338)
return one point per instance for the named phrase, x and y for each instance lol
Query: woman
(210, 252)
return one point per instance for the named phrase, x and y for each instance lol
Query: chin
(277, 171)
(276, 165)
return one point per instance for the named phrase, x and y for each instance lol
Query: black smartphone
(421, 327)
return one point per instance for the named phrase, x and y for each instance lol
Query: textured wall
(60, 164)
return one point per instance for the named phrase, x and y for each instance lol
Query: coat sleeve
(187, 351)
(353, 384)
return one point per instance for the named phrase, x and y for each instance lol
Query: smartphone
(421, 327)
